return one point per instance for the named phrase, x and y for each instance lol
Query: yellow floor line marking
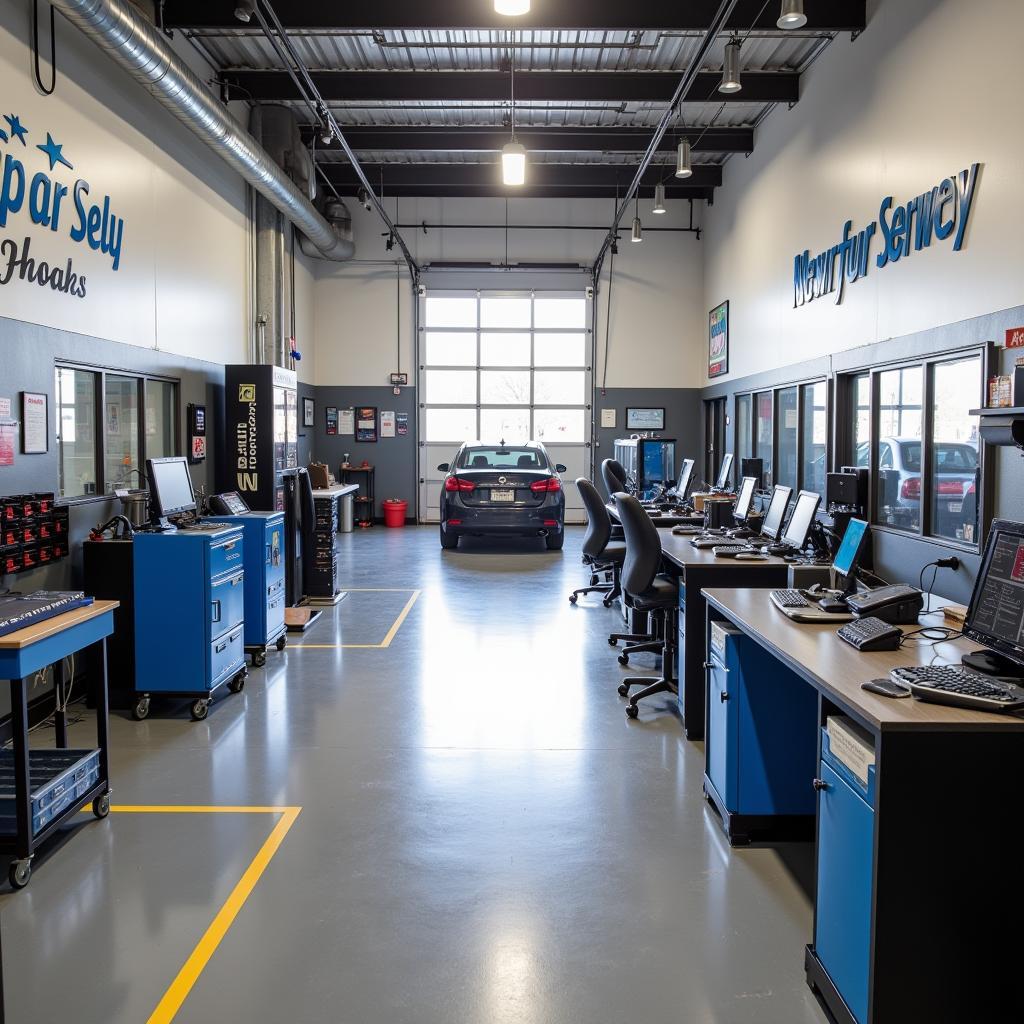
(180, 988)
(388, 637)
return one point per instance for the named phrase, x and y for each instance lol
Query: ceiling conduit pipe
(139, 48)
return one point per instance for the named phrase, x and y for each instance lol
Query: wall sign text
(940, 212)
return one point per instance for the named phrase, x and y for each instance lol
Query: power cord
(940, 563)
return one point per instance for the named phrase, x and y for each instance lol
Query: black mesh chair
(613, 474)
(647, 589)
(600, 552)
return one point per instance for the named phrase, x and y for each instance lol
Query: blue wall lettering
(938, 212)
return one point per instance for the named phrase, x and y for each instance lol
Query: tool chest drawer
(226, 555)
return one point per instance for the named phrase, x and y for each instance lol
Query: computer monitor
(744, 499)
(724, 473)
(685, 475)
(851, 547)
(771, 525)
(801, 520)
(995, 616)
(170, 488)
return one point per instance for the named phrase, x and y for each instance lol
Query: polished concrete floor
(484, 838)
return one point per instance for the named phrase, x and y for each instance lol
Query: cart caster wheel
(623, 658)
(141, 709)
(607, 602)
(573, 599)
(199, 710)
(612, 642)
(237, 684)
(632, 711)
(623, 689)
(282, 642)
(101, 805)
(259, 659)
(19, 873)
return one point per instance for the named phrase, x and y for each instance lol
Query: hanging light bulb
(683, 167)
(659, 198)
(638, 231)
(513, 164)
(244, 11)
(792, 14)
(731, 72)
(511, 8)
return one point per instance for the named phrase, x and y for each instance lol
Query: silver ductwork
(140, 48)
(340, 220)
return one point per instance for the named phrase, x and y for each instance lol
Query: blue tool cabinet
(761, 740)
(842, 917)
(189, 615)
(263, 548)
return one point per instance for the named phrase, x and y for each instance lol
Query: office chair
(479, 462)
(648, 590)
(615, 479)
(600, 552)
(526, 462)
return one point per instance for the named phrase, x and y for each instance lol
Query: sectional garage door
(504, 366)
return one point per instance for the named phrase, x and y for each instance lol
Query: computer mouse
(832, 604)
(752, 556)
(886, 688)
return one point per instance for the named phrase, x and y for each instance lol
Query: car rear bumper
(503, 522)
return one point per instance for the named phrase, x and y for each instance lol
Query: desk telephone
(897, 604)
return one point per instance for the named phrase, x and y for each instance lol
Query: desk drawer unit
(227, 604)
(226, 556)
(842, 931)
(760, 741)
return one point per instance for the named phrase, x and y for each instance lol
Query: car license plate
(503, 495)
(956, 506)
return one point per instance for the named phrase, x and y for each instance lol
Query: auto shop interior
(511, 510)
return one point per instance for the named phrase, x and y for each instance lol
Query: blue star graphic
(18, 131)
(53, 152)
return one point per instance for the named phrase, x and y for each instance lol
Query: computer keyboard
(728, 550)
(790, 599)
(871, 634)
(960, 687)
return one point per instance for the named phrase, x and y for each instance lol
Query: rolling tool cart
(40, 790)
(263, 548)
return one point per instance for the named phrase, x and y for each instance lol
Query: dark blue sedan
(502, 491)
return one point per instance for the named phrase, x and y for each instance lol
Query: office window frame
(142, 380)
(749, 442)
(845, 385)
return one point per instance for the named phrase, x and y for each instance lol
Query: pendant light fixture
(792, 14)
(513, 155)
(638, 230)
(512, 8)
(683, 166)
(659, 198)
(731, 72)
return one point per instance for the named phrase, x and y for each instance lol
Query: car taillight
(453, 483)
(552, 483)
(951, 487)
(911, 488)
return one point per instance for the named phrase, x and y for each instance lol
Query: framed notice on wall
(35, 438)
(645, 419)
(332, 420)
(366, 423)
(718, 340)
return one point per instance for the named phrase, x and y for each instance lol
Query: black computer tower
(299, 529)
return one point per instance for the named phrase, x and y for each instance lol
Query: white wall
(305, 315)
(658, 313)
(929, 88)
(182, 280)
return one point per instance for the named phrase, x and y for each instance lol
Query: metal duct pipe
(139, 47)
(338, 216)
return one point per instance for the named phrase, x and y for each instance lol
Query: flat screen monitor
(800, 521)
(772, 523)
(685, 475)
(848, 555)
(170, 487)
(724, 473)
(744, 499)
(995, 616)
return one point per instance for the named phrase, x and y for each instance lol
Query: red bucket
(394, 511)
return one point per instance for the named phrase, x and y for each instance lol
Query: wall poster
(332, 420)
(718, 340)
(366, 423)
(35, 438)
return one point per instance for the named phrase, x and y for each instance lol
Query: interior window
(900, 409)
(956, 468)
(75, 410)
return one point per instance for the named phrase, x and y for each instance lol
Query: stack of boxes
(33, 532)
(322, 573)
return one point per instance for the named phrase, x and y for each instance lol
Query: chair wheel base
(572, 599)
(623, 689)
(632, 711)
(623, 658)
(612, 642)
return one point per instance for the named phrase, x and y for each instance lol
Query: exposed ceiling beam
(559, 86)
(551, 179)
(473, 138)
(692, 16)
(497, 191)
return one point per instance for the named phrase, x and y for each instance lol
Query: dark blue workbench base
(741, 829)
(821, 985)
